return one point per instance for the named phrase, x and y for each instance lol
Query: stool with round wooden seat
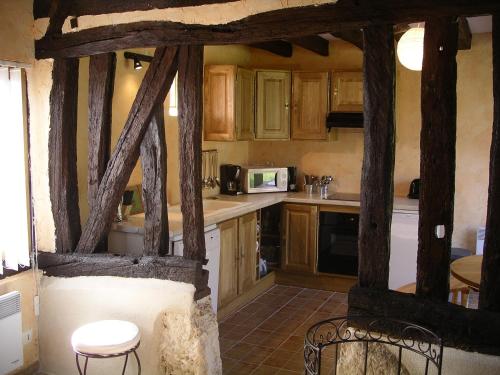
(106, 339)
(456, 287)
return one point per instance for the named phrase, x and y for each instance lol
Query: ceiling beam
(354, 37)
(313, 43)
(277, 47)
(274, 25)
(41, 8)
(464, 34)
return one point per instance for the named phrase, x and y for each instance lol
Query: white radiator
(11, 346)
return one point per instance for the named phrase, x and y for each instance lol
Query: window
(172, 108)
(14, 219)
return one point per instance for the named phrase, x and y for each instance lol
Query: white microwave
(264, 179)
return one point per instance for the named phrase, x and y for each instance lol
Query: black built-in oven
(338, 243)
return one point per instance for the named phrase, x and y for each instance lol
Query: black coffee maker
(230, 179)
(292, 179)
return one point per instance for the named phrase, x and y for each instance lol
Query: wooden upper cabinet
(228, 267)
(347, 91)
(273, 105)
(247, 228)
(229, 103)
(310, 105)
(300, 238)
(245, 105)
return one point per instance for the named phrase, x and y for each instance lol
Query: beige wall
(17, 45)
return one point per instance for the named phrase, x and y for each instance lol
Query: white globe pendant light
(411, 48)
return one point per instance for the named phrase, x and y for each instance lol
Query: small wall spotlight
(137, 64)
(138, 59)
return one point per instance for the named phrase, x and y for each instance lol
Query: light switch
(440, 231)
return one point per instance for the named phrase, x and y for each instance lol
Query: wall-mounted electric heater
(11, 346)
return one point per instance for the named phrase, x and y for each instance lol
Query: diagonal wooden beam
(63, 179)
(277, 47)
(314, 44)
(279, 24)
(437, 137)
(190, 140)
(152, 92)
(154, 186)
(489, 296)
(377, 182)
(41, 8)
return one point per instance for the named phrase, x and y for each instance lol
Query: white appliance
(212, 244)
(264, 180)
(11, 346)
(480, 240)
(404, 248)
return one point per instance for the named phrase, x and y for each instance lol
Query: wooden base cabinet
(238, 246)
(300, 238)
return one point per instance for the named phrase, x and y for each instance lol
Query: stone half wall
(178, 335)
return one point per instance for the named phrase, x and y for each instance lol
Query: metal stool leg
(125, 364)
(78, 365)
(138, 362)
(85, 367)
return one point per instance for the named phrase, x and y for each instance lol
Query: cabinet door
(273, 105)
(310, 105)
(248, 255)
(300, 234)
(218, 102)
(245, 104)
(347, 91)
(228, 270)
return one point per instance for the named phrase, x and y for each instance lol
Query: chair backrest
(373, 341)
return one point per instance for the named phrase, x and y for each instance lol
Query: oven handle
(276, 179)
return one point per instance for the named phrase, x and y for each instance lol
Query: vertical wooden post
(153, 90)
(377, 184)
(101, 86)
(154, 186)
(63, 178)
(190, 130)
(489, 296)
(437, 160)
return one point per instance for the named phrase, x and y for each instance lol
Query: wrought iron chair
(398, 336)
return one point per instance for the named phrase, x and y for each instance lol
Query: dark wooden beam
(489, 296)
(280, 24)
(152, 92)
(101, 86)
(41, 8)
(277, 47)
(314, 44)
(154, 186)
(377, 180)
(464, 34)
(190, 130)
(58, 11)
(437, 157)
(354, 37)
(163, 268)
(459, 327)
(63, 179)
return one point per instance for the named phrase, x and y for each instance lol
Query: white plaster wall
(160, 308)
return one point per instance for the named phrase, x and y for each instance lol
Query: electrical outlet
(27, 336)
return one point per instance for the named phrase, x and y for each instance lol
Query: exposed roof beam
(464, 34)
(352, 36)
(313, 43)
(41, 8)
(277, 47)
(275, 25)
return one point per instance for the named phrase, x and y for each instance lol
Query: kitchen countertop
(248, 203)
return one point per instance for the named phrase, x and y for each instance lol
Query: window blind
(14, 198)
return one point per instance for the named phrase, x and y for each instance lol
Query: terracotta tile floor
(267, 335)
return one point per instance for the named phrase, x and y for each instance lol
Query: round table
(468, 270)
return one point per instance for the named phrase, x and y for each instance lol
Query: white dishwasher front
(404, 247)
(212, 244)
